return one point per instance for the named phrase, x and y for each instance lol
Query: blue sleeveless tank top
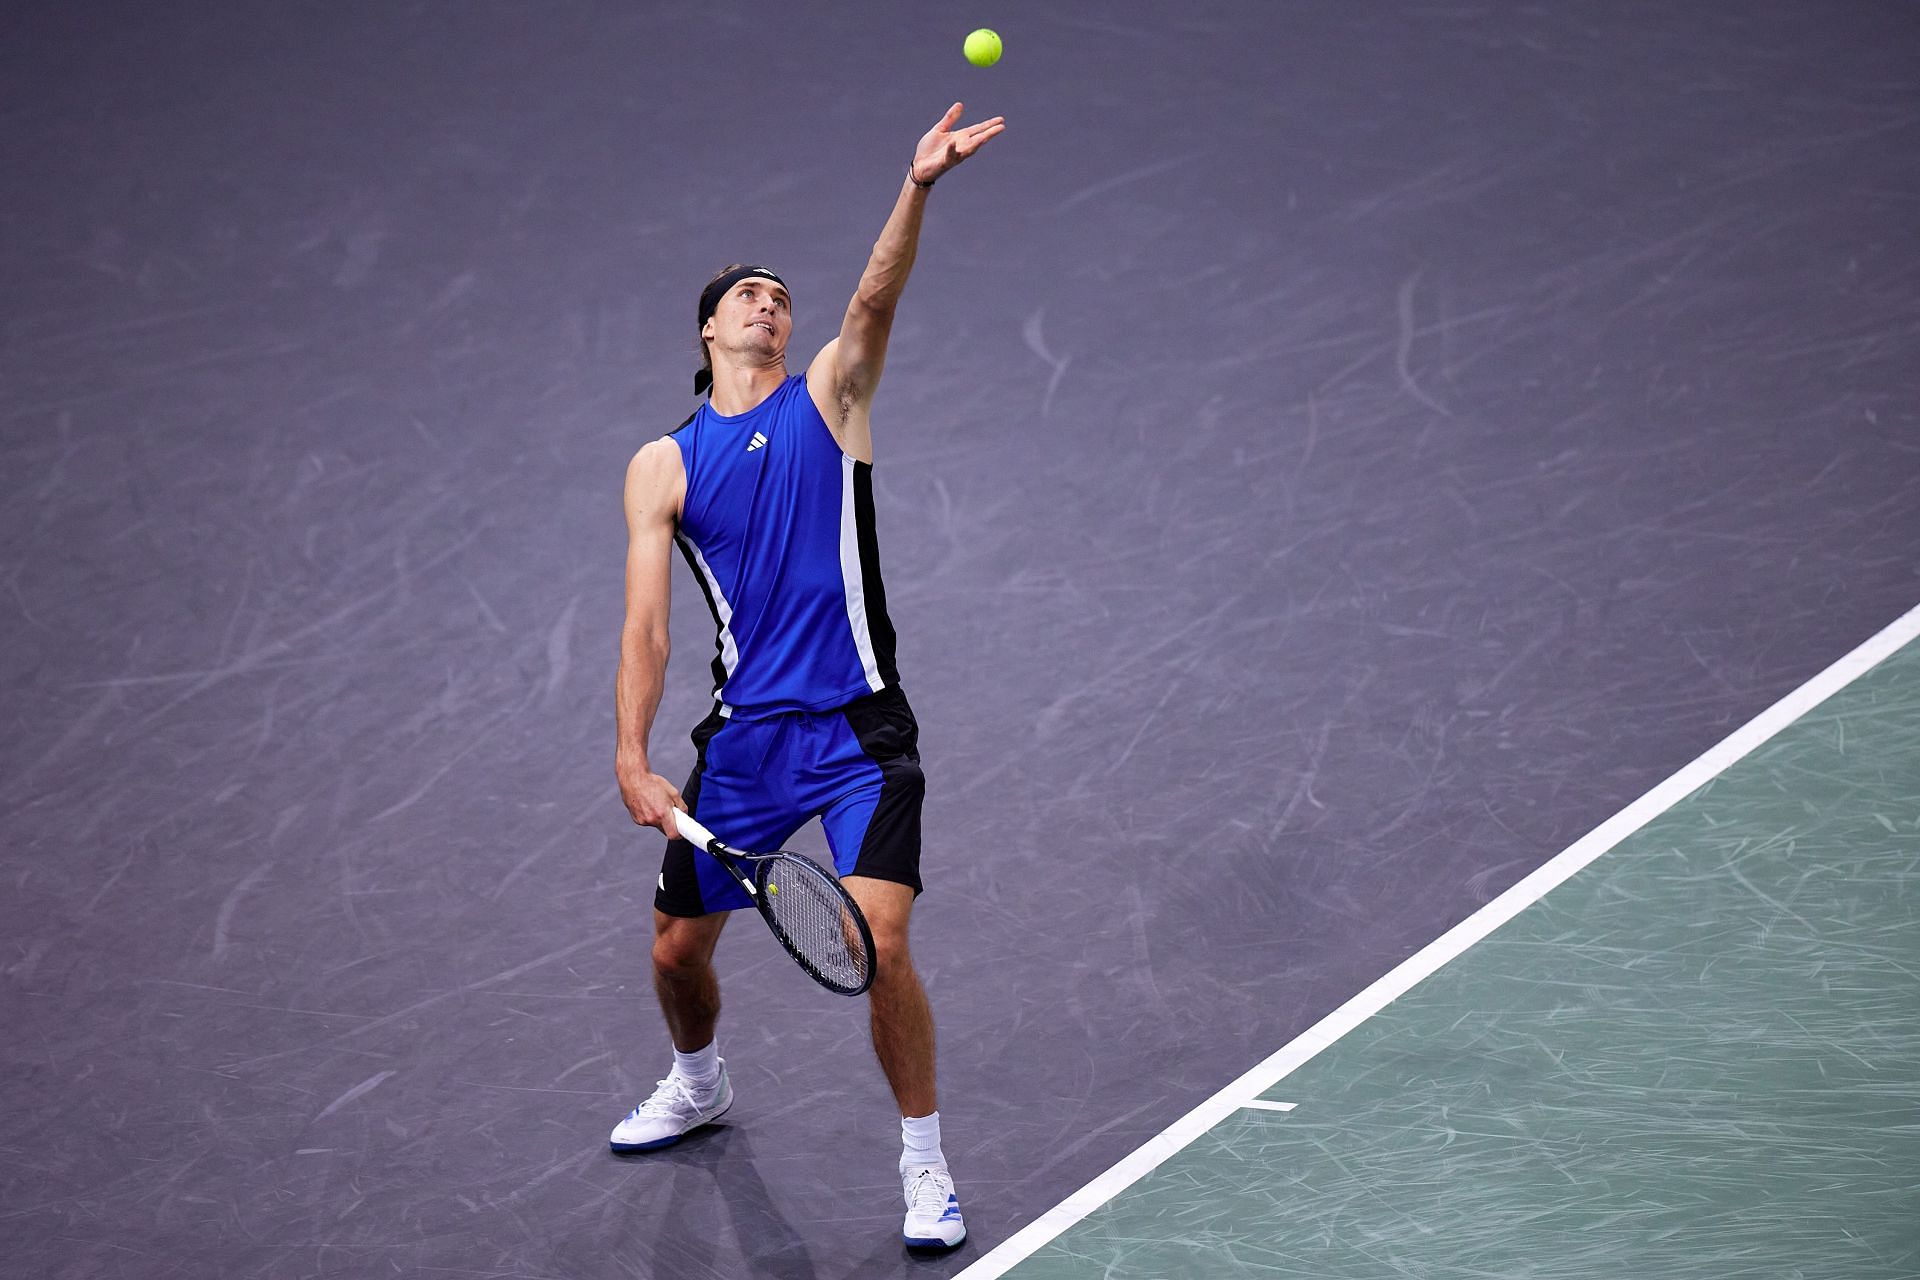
(778, 529)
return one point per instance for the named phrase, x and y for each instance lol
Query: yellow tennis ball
(982, 48)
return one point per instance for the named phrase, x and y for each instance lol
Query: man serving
(767, 491)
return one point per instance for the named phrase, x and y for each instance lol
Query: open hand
(944, 146)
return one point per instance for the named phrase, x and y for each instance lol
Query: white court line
(1308, 1044)
(1261, 1104)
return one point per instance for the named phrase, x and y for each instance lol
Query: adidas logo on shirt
(756, 442)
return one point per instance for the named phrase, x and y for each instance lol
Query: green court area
(1699, 1057)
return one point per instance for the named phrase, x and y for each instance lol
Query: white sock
(920, 1136)
(701, 1068)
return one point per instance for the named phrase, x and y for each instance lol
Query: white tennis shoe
(675, 1110)
(933, 1210)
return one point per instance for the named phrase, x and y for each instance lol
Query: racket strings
(811, 915)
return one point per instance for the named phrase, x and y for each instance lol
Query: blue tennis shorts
(754, 782)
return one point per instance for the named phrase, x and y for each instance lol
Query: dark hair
(706, 355)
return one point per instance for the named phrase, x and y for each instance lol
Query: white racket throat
(691, 830)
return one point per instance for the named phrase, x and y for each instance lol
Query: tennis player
(767, 491)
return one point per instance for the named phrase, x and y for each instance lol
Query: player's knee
(892, 959)
(677, 956)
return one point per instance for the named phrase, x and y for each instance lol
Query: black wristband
(915, 178)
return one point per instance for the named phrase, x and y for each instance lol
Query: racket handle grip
(691, 830)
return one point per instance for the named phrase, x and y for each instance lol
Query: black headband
(710, 299)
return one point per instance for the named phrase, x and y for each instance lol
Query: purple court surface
(1331, 457)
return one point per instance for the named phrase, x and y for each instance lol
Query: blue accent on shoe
(628, 1148)
(934, 1242)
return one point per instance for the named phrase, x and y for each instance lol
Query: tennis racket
(809, 910)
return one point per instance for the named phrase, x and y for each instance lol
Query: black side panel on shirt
(719, 647)
(879, 625)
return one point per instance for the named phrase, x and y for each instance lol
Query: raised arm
(656, 484)
(843, 377)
